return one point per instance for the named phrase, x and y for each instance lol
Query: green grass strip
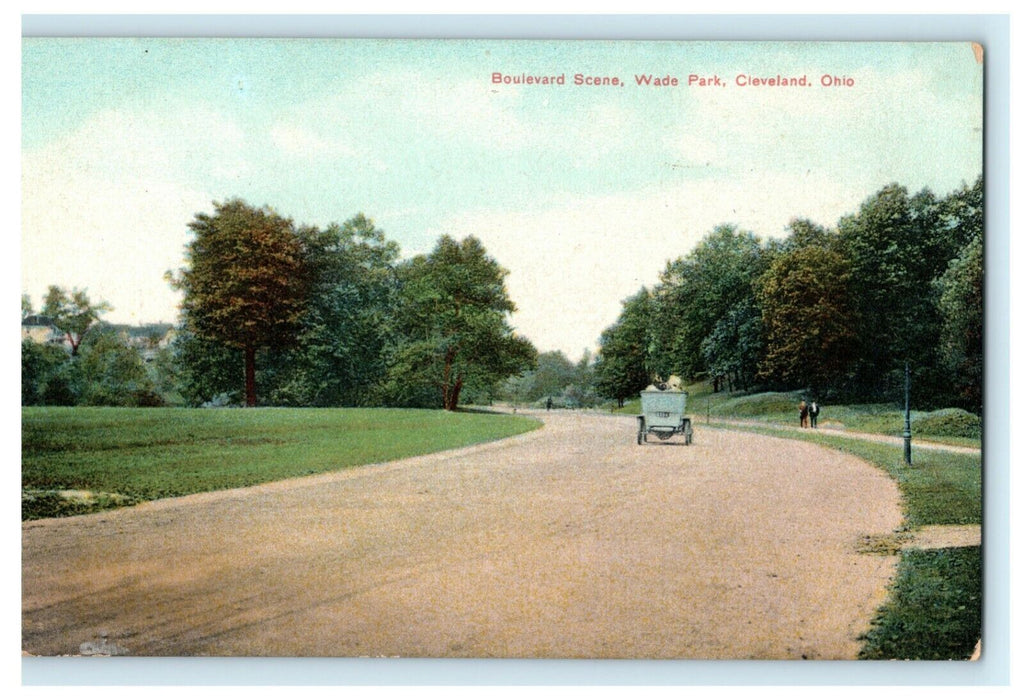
(117, 456)
(934, 608)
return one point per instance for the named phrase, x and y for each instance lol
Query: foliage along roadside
(838, 312)
(77, 460)
(280, 314)
(334, 317)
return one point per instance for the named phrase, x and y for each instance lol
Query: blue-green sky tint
(582, 192)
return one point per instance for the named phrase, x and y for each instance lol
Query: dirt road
(571, 541)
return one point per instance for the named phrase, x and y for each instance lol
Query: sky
(582, 192)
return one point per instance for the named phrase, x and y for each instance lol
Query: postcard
(502, 349)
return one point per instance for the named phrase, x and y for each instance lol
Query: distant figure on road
(803, 413)
(549, 403)
(813, 412)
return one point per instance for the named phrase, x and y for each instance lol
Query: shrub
(948, 422)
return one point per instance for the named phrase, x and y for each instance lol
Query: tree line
(275, 313)
(836, 312)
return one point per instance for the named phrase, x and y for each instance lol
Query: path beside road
(870, 437)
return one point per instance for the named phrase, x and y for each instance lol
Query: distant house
(148, 339)
(40, 329)
(168, 338)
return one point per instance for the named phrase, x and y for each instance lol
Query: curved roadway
(571, 541)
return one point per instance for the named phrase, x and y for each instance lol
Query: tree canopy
(334, 317)
(837, 311)
(245, 281)
(72, 313)
(452, 317)
(696, 291)
(623, 366)
(808, 319)
(961, 291)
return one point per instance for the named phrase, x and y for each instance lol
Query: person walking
(803, 413)
(813, 412)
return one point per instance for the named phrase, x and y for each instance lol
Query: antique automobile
(663, 410)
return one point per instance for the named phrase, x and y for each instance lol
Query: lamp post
(906, 419)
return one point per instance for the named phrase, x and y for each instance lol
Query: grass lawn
(934, 609)
(80, 460)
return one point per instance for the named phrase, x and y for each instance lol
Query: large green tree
(808, 319)
(453, 315)
(623, 365)
(696, 291)
(346, 334)
(734, 347)
(245, 282)
(897, 245)
(72, 313)
(961, 291)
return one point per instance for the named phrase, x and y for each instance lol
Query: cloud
(450, 107)
(297, 141)
(889, 126)
(106, 207)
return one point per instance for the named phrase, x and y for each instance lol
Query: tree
(584, 385)
(553, 372)
(453, 318)
(346, 332)
(623, 366)
(113, 373)
(961, 290)
(897, 246)
(71, 313)
(245, 285)
(808, 319)
(45, 375)
(206, 370)
(804, 233)
(695, 292)
(734, 348)
(962, 216)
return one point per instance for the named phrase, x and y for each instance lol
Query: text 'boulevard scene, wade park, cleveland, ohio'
(501, 349)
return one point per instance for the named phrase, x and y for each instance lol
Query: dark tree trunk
(250, 375)
(449, 392)
(456, 390)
